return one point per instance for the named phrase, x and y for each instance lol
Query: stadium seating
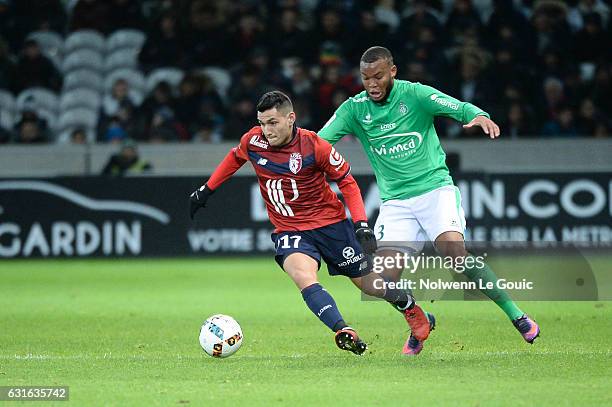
(82, 58)
(133, 77)
(7, 100)
(122, 58)
(38, 98)
(133, 39)
(50, 43)
(84, 39)
(83, 78)
(171, 75)
(80, 97)
(220, 77)
(49, 116)
(77, 117)
(7, 109)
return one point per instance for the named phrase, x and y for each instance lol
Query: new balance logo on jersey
(262, 161)
(256, 141)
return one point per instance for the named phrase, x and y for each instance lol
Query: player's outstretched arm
(438, 103)
(230, 164)
(487, 125)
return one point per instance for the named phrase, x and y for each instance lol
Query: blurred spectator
(301, 83)
(564, 125)
(35, 69)
(517, 122)
(417, 17)
(249, 34)
(165, 128)
(164, 45)
(588, 118)
(289, 39)
(207, 132)
(463, 19)
(187, 103)
(41, 15)
(386, 14)
(29, 114)
(91, 15)
(30, 132)
(242, 117)
(119, 100)
(5, 135)
(159, 102)
(126, 162)
(118, 113)
(125, 14)
(330, 37)
(249, 84)
(472, 86)
(207, 40)
(78, 136)
(368, 32)
(591, 43)
(8, 26)
(550, 22)
(595, 6)
(8, 68)
(303, 111)
(114, 130)
(602, 89)
(327, 86)
(554, 98)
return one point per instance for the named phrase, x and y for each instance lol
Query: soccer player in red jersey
(310, 222)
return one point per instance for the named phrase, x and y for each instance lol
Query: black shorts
(336, 244)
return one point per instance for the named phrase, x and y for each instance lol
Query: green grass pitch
(125, 333)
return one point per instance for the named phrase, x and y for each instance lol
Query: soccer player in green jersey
(394, 121)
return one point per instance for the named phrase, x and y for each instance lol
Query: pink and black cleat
(527, 327)
(413, 346)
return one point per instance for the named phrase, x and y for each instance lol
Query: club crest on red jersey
(295, 162)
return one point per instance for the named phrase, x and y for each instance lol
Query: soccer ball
(220, 336)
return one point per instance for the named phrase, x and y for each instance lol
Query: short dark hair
(373, 54)
(275, 99)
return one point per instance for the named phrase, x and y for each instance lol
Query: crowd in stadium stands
(77, 71)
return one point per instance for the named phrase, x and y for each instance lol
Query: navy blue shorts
(336, 244)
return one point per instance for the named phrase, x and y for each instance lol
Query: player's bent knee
(451, 244)
(302, 269)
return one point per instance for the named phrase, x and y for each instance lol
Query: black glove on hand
(198, 199)
(365, 236)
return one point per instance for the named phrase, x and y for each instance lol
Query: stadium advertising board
(81, 217)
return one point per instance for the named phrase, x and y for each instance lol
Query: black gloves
(365, 236)
(198, 199)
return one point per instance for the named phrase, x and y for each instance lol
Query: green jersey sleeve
(339, 125)
(440, 104)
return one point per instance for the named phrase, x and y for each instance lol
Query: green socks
(499, 296)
